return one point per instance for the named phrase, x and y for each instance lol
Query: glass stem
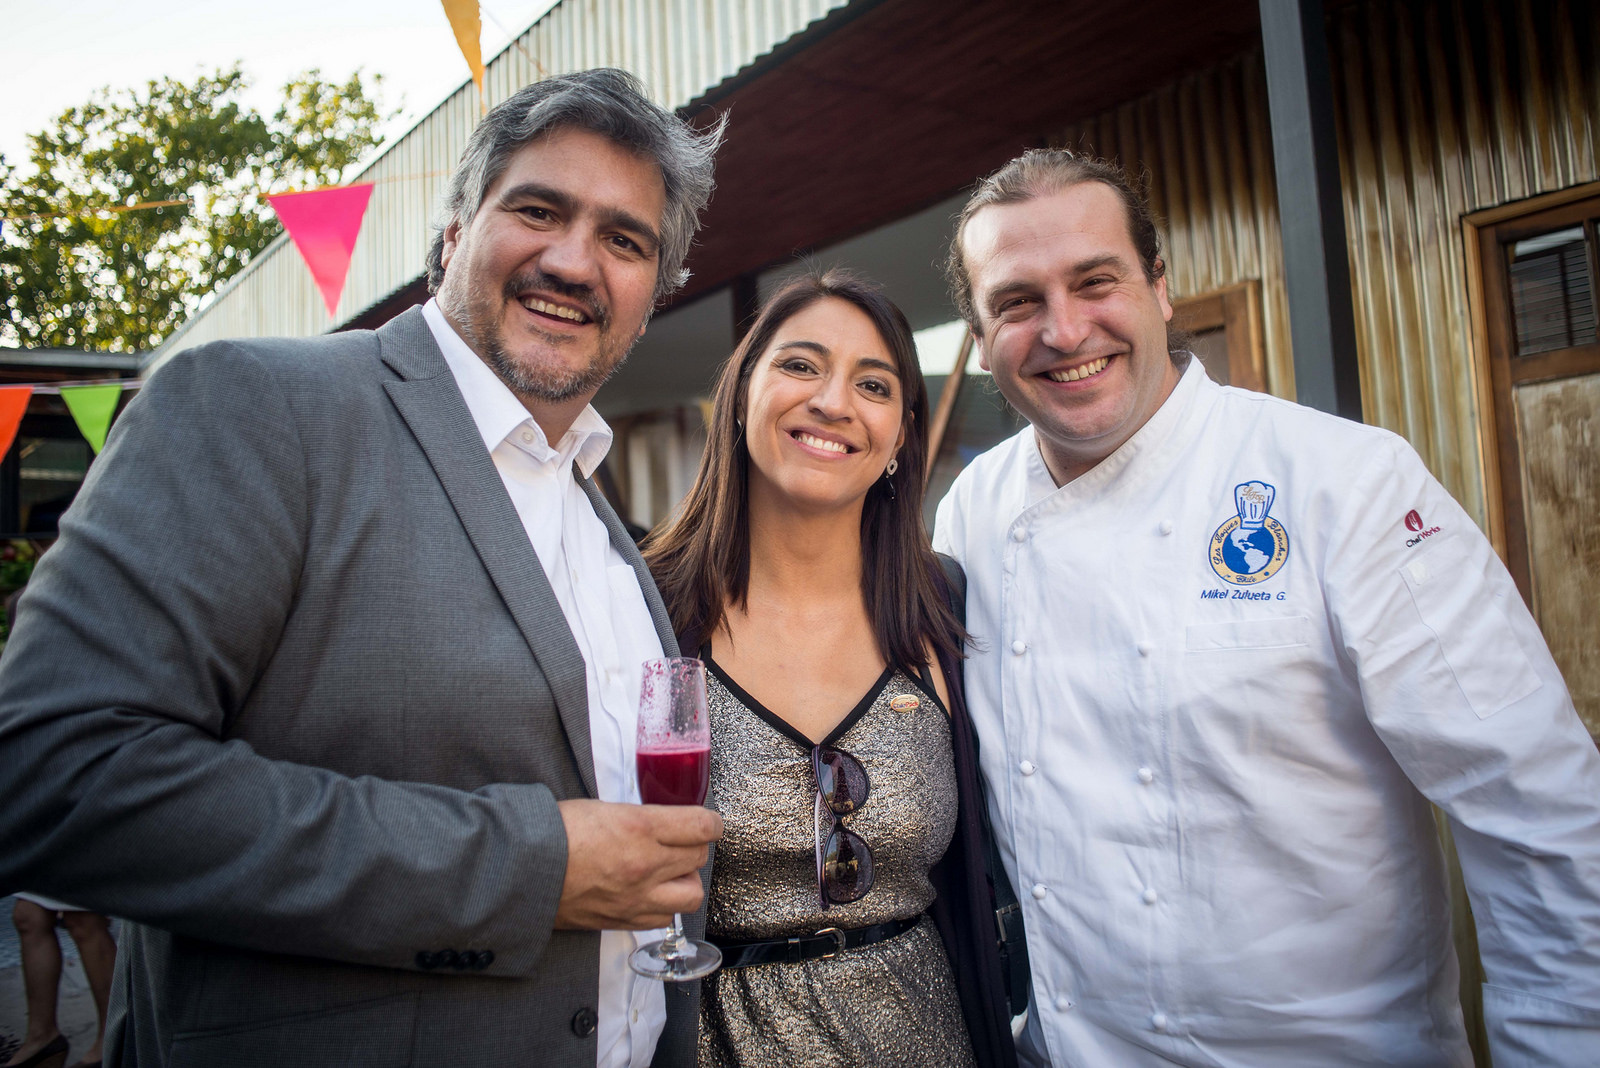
(672, 945)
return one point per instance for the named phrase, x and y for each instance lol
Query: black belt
(825, 943)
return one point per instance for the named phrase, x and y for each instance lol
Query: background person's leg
(92, 934)
(41, 976)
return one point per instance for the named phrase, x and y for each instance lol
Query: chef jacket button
(1039, 891)
(1150, 897)
(1166, 526)
(1063, 1003)
(1027, 767)
(1019, 647)
(1144, 648)
(1019, 535)
(1147, 776)
(1158, 1021)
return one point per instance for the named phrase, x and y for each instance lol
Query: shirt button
(1039, 891)
(1158, 1021)
(527, 437)
(1063, 1003)
(1019, 647)
(1150, 897)
(1166, 526)
(1144, 648)
(1147, 776)
(1027, 767)
(1019, 535)
(634, 1015)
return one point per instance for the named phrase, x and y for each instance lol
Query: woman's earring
(894, 465)
(888, 476)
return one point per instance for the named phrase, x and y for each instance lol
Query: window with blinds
(1552, 291)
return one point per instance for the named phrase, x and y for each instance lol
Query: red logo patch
(1413, 520)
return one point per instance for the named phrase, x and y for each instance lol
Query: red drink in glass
(673, 759)
(673, 776)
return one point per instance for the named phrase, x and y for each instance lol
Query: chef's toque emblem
(1250, 546)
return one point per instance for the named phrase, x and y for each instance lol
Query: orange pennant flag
(13, 402)
(324, 224)
(467, 23)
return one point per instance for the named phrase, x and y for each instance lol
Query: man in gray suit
(327, 685)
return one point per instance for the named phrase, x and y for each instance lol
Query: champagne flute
(674, 764)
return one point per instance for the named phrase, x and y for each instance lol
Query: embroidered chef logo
(1251, 546)
(1416, 524)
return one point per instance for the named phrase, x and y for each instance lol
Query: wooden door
(1542, 326)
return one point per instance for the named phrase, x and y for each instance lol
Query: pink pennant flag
(13, 403)
(324, 224)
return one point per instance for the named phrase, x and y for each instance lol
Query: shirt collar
(498, 413)
(1147, 440)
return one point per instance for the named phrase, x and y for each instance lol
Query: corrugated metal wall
(681, 48)
(1445, 107)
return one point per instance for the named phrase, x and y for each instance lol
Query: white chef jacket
(1210, 780)
(599, 594)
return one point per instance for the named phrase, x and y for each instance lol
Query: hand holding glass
(674, 764)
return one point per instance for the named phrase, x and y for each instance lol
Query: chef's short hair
(1040, 172)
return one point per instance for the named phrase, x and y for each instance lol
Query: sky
(55, 53)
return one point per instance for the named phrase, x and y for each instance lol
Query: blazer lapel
(431, 404)
(623, 543)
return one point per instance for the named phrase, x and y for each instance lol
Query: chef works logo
(1415, 523)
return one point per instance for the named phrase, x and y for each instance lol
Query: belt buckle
(838, 937)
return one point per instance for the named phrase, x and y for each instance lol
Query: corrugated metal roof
(680, 48)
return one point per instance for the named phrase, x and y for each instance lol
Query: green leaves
(74, 277)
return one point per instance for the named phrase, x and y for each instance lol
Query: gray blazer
(293, 695)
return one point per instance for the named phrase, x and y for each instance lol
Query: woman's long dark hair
(701, 560)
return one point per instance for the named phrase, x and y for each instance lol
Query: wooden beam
(947, 405)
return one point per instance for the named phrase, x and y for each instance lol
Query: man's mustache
(576, 292)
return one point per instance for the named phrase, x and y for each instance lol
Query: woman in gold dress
(845, 775)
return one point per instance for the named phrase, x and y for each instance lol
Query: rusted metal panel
(1558, 424)
(1449, 106)
(1445, 107)
(680, 48)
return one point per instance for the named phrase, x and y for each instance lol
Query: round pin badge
(904, 702)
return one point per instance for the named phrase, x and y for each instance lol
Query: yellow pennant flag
(468, 27)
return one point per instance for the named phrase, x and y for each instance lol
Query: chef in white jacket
(1230, 649)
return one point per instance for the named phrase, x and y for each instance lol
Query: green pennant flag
(92, 408)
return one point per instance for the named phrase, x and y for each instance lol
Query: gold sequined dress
(891, 1004)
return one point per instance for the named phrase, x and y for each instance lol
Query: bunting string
(109, 209)
(57, 387)
(151, 205)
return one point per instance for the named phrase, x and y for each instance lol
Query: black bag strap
(1007, 911)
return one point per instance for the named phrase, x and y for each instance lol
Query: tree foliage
(72, 276)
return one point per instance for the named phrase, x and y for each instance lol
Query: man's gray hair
(613, 104)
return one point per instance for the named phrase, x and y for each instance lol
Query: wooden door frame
(1237, 310)
(1484, 234)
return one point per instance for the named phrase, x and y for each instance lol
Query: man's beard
(552, 386)
(555, 387)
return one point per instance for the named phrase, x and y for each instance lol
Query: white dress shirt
(599, 594)
(1220, 677)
